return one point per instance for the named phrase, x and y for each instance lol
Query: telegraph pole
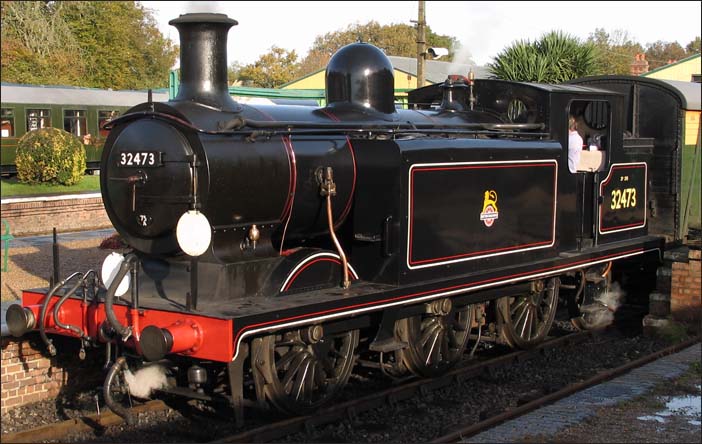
(421, 44)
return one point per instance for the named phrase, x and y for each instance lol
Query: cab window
(591, 119)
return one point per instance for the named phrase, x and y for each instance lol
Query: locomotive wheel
(526, 319)
(298, 371)
(592, 313)
(436, 339)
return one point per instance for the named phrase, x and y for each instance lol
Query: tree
(660, 53)
(233, 72)
(554, 58)
(615, 52)
(121, 43)
(37, 44)
(693, 47)
(276, 67)
(88, 43)
(394, 39)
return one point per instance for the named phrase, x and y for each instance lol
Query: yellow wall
(678, 71)
(316, 81)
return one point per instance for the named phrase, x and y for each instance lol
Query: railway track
(276, 429)
(392, 395)
(351, 409)
(468, 430)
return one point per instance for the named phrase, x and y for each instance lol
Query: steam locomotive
(269, 244)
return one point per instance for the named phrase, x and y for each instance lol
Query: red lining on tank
(353, 159)
(428, 292)
(473, 253)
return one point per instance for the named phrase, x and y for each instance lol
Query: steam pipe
(109, 298)
(234, 126)
(63, 299)
(118, 366)
(45, 306)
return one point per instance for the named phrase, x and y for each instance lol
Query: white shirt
(575, 146)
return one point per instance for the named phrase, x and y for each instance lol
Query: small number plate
(142, 159)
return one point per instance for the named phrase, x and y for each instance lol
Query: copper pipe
(607, 270)
(344, 263)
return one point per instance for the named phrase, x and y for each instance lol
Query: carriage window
(8, 122)
(103, 118)
(74, 122)
(38, 118)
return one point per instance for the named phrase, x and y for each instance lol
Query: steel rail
(59, 430)
(469, 430)
(394, 394)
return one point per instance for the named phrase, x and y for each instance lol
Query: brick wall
(29, 375)
(686, 288)
(67, 213)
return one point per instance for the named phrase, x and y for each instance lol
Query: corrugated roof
(68, 95)
(689, 92)
(436, 71)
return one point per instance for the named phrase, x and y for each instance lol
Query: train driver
(575, 145)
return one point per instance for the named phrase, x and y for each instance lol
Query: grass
(12, 188)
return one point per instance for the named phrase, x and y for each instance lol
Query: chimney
(640, 65)
(203, 59)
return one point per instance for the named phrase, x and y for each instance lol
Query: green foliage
(50, 155)
(554, 58)
(275, 68)
(661, 53)
(693, 47)
(394, 39)
(97, 44)
(615, 51)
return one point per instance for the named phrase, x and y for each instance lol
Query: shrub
(50, 155)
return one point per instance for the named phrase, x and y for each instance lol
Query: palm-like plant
(554, 58)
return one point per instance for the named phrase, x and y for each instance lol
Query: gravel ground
(31, 267)
(424, 418)
(418, 419)
(645, 419)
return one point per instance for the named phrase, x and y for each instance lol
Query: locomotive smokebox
(203, 59)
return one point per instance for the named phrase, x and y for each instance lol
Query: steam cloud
(601, 314)
(145, 380)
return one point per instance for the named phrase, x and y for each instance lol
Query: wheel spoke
(435, 342)
(293, 371)
(432, 348)
(298, 377)
(285, 360)
(528, 323)
(428, 335)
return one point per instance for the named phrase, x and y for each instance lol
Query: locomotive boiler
(270, 244)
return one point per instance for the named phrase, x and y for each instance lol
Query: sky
(483, 29)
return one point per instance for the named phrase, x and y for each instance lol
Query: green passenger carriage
(80, 111)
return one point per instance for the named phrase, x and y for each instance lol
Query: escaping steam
(211, 7)
(145, 380)
(601, 313)
(461, 57)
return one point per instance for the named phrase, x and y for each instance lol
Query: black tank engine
(294, 236)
